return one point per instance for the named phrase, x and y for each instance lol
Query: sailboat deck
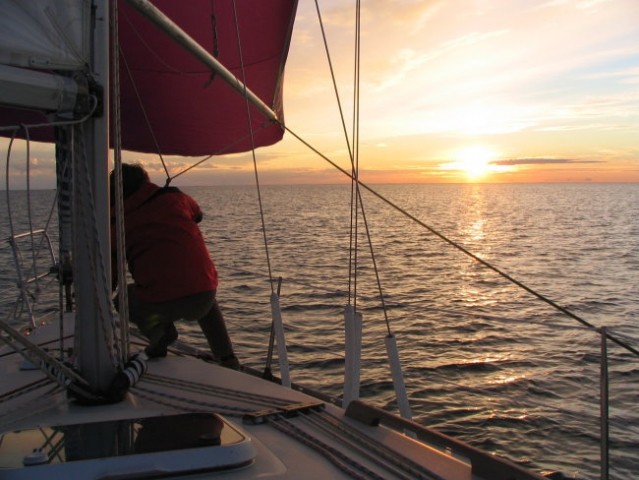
(270, 417)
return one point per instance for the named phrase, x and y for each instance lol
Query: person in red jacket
(174, 276)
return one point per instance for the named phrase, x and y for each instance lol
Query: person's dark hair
(133, 176)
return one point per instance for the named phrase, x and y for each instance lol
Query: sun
(475, 161)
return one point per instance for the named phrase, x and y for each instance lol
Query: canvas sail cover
(169, 101)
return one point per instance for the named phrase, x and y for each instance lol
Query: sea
(483, 359)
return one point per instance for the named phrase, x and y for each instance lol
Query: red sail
(171, 102)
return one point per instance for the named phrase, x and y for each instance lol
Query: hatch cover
(126, 448)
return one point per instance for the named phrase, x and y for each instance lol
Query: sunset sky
(472, 90)
(457, 91)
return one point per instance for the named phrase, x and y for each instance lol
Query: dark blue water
(483, 360)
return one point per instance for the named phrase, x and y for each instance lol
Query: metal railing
(30, 271)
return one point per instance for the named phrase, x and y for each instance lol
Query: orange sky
(455, 91)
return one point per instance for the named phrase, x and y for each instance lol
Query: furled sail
(47, 34)
(169, 100)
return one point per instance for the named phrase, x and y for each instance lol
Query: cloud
(542, 161)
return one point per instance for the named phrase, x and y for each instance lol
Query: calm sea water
(483, 360)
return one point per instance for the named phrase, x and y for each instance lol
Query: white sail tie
(282, 355)
(353, 341)
(398, 378)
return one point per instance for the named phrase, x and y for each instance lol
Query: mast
(66, 81)
(91, 239)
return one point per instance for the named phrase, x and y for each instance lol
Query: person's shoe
(158, 347)
(230, 361)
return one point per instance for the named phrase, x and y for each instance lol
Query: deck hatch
(126, 448)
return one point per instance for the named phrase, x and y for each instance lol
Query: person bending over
(173, 274)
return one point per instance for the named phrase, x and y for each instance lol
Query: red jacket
(165, 250)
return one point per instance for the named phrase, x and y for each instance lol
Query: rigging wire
(146, 117)
(355, 202)
(252, 137)
(118, 202)
(346, 139)
(357, 188)
(269, 359)
(353, 152)
(222, 150)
